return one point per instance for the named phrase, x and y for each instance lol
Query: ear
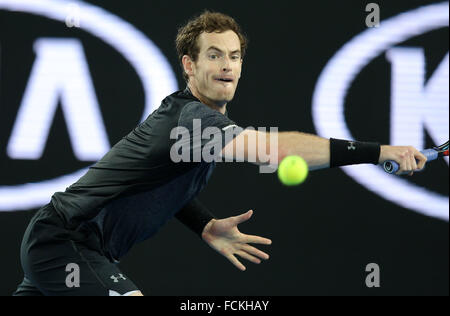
(188, 65)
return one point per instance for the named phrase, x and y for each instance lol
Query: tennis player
(127, 196)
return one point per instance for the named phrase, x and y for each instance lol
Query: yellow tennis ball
(292, 170)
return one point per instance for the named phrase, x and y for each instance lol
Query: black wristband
(195, 216)
(345, 152)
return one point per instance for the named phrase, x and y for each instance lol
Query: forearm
(314, 149)
(321, 153)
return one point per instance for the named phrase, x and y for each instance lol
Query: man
(137, 187)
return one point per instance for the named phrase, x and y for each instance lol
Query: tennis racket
(434, 153)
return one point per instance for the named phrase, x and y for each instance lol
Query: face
(215, 74)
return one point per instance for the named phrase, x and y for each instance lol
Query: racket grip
(391, 166)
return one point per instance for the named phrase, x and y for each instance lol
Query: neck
(222, 108)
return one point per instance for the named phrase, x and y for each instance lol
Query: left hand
(224, 237)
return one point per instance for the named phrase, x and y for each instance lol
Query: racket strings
(442, 150)
(443, 147)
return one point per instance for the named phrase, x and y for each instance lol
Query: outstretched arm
(224, 237)
(317, 151)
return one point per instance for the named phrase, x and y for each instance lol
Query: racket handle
(391, 166)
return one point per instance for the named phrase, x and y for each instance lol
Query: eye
(213, 56)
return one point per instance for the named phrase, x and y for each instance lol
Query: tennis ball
(292, 170)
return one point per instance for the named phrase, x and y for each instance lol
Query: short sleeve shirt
(149, 175)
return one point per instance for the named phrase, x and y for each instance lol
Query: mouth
(224, 79)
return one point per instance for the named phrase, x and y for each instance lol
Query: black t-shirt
(137, 187)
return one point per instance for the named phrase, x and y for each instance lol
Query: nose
(226, 64)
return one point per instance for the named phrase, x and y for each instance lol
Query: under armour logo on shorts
(116, 279)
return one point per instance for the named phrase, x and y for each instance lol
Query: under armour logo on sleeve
(228, 127)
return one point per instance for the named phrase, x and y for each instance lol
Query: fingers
(411, 160)
(236, 262)
(250, 239)
(243, 217)
(409, 163)
(249, 257)
(256, 252)
(421, 159)
(247, 252)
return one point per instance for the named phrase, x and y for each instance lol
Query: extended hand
(224, 237)
(408, 158)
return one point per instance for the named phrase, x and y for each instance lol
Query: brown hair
(209, 22)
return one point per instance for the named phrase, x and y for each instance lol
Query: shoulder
(170, 107)
(208, 117)
(195, 109)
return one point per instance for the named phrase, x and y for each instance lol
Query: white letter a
(60, 73)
